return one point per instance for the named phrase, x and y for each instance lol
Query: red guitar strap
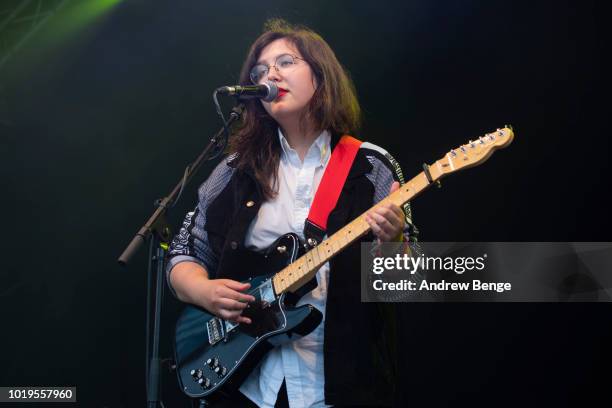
(329, 189)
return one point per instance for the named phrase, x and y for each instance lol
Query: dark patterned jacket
(358, 342)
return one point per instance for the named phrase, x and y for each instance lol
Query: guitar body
(216, 355)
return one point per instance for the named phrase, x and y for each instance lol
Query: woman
(263, 190)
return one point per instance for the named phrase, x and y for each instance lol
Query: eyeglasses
(284, 64)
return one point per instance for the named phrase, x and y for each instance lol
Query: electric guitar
(213, 354)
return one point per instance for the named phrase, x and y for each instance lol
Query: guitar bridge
(215, 329)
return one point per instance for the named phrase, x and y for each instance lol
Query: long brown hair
(333, 106)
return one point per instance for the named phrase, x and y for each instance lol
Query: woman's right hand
(225, 298)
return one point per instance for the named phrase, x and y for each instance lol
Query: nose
(273, 74)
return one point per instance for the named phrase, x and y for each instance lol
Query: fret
(335, 245)
(327, 248)
(289, 275)
(339, 239)
(315, 256)
(300, 267)
(348, 230)
(362, 225)
(309, 261)
(278, 285)
(320, 254)
(292, 272)
(303, 267)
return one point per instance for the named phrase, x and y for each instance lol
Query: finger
(384, 222)
(390, 210)
(236, 289)
(232, 316)
(389, 230)
(225, 292)
(396, 210)
(231, 305)
(374, 225)
(239, 286)
(394, 215)
(380, 226)
(243, 319)
(394, 187)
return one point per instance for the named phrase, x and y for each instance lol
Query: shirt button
(250, 203)
(234, 244)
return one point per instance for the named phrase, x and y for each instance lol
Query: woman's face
(296, 87)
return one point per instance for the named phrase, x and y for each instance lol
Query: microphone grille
(272, 91)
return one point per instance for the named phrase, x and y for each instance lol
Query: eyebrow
(275, 58)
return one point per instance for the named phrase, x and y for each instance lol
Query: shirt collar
(320, 148)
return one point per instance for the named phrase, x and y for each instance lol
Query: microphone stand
(157, 231)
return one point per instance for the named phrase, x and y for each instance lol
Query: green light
(80, 14)
(68, 23)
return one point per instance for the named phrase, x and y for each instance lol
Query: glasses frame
(268, 67)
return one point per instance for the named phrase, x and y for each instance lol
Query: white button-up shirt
(299, 362)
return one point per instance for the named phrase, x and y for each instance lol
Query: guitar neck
(304, 268)
(468, 155)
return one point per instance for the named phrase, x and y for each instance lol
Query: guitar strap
(329, 189)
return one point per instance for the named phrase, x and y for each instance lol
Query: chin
(279, 111)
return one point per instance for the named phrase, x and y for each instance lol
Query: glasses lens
(285, 61)
(258, 72)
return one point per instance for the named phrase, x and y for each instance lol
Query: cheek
(306, 91)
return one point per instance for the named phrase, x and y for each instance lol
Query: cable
(220, 113)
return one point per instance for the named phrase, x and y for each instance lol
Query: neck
(300, 138)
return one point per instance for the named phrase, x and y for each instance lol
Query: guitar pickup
(215, 330)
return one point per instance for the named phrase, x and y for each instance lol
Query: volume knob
(196, 374)
(221, 371)
(212, 362)
(204, 382)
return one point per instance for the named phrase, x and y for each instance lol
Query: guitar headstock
(472, 153)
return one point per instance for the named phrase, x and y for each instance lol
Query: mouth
(281, 92)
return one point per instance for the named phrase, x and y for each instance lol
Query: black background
(94, 127)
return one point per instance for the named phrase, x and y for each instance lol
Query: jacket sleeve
(385, 171)
(191, 244)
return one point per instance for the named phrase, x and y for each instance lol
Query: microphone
(268, 91)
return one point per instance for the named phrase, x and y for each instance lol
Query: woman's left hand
(387, 220)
